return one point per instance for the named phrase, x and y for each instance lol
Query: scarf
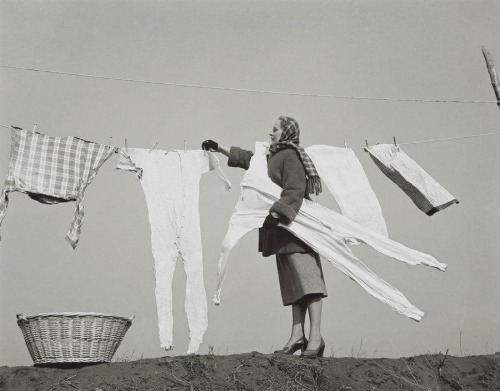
(290, 138)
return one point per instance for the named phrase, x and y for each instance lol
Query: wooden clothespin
(109, 141)
(34, 127)
(366, 148)
(126, 146)
(395, 143)
(154, 145)
(345, 144)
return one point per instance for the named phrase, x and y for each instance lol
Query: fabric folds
(344, 176)
(325, 231)
(171, 184)
(428, 195)
(53, 170)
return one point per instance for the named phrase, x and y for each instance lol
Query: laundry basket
(75, 337)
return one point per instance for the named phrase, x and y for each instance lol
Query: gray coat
(287, 171)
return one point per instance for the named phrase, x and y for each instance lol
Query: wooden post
(493, 75)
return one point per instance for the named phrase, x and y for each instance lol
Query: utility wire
(244, 89)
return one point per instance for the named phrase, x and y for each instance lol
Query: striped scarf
(290, 138)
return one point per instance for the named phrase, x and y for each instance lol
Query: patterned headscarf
(290, 138)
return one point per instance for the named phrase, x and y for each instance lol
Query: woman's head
(285, 129)
(286, 134)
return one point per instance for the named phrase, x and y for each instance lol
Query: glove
(270, 222)
(207, 145)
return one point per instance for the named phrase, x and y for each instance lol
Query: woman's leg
(314, 306)
(298, 318)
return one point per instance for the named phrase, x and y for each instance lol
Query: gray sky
(394, 49)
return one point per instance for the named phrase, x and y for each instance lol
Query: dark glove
(270, 222)
(207, 145)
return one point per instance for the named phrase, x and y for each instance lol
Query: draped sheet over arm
(326, 231)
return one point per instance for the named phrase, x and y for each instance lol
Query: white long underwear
(344, 176)
(428, 195)
(326, 231)
(171, 184)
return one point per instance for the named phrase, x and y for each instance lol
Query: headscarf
(290, 138)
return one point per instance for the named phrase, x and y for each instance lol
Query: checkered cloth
(290, 138)
(53, 170)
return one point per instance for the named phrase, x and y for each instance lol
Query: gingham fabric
(53, 170)
(428, 195)
(290, 138)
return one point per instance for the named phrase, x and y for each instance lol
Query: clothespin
(34, 127)
(126, 146)
(366, 149)
(154, 145)
(109, 141)
(184, 145)
(345, 144)
(395, 143)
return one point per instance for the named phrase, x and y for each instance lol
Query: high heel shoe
(316, 352)
(299, 344)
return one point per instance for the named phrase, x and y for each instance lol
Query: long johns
(171, 181)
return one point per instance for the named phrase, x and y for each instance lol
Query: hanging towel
(325, 231)
(53, 170)
(429, 196)
(171, 184)
(344, 176)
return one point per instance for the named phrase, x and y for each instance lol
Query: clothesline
(442, 139)
(244, 89)
(408, 143)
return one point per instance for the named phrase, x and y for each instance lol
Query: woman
(299, 268)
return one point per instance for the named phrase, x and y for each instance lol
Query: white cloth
(171, 183)
(341, 171)
(326, 231)
(428, 195)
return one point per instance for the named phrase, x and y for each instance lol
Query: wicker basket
(75, 337)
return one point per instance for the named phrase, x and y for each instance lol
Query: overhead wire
(271, 92)
(346, 97)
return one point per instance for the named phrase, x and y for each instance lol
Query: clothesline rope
(246, 90)
(409, 143)
(442, 139)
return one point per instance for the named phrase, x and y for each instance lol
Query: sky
(385, 49)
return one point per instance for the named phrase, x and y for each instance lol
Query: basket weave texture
(75, 337)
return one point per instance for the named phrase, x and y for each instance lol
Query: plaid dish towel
(428, 195)
(53, 170)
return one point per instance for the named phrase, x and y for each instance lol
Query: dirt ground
(257, 371)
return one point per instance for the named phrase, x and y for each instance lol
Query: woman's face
(276, 134)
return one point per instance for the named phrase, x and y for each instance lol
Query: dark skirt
(300, 274)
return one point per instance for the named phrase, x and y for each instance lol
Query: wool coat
(287, 171)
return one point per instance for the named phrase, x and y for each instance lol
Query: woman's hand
(209, 145)
(270, 222)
